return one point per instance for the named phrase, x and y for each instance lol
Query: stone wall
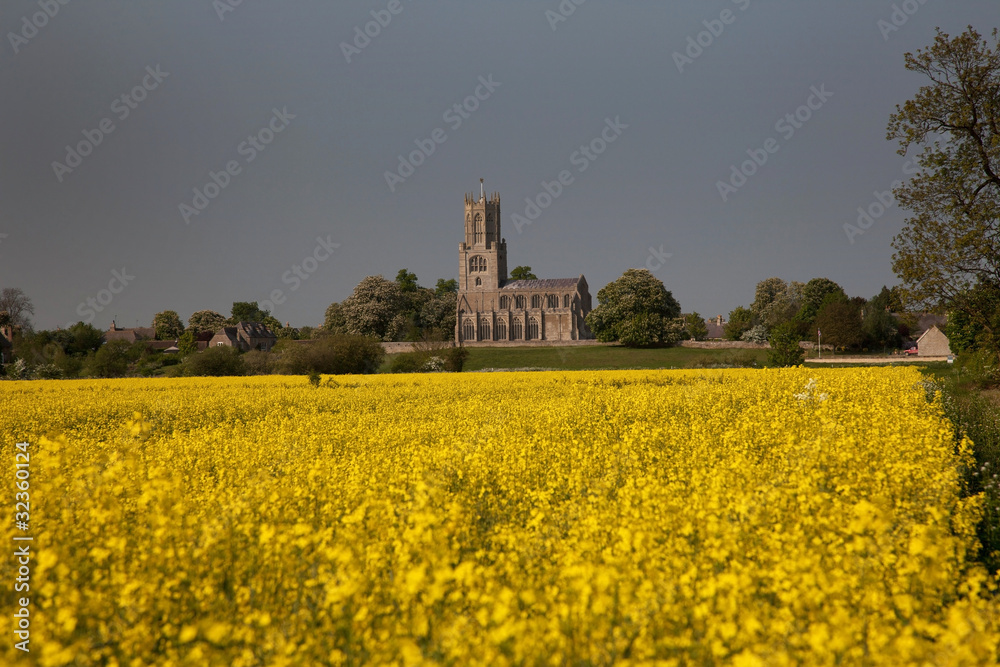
(396, 348)
(724, 344)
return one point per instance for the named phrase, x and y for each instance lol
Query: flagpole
(819, 337)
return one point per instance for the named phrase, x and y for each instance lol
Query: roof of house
(255, 330)
(715, 330)
(130, 335)
(548, 283)
(248, 329)
(930, 331)
(227, 332)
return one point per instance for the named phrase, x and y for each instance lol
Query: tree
(82, 339)
(186, 344)
(18, 306)
(840, 322)
(248, 311)
(113, 359)
(375, 309)
(333, 319)
(205, 320)
(948, 246)
(413, 305)
(964, 330)
(406, 280)
(695, 326)
(768, 291)
(740, 321)
(775, 301)
(813, 294)
(168, 325)
(636, 310)
(443, 287)
(438, 317)
(522, 273)
(785, 349)
(879, 325)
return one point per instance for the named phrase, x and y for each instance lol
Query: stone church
(493, 309)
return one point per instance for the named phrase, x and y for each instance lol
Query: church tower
(483, 255)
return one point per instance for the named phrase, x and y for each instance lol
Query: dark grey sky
(212, 83)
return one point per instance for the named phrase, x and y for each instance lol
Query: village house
(933, 343)
(245, 336)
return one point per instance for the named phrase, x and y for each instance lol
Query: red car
(912, 350)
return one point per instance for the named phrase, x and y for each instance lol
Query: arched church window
(501, 330)
(536, 301)
(553, 301)
(532, 329)
(519, 301)
(484, 331)
(504, 302)
(477, 264)
(468, 330)
(479, 235)
(516, 330)
(565, 300)
(479, 282)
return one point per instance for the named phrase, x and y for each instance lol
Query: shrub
(785, 350)
(979, 367)
(259, 363)
(408, 362)
(755, 334)
(454, 359)
(215, 361)
(18, 370)
(337, 354)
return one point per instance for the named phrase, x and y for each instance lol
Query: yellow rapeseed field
(779, 517)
